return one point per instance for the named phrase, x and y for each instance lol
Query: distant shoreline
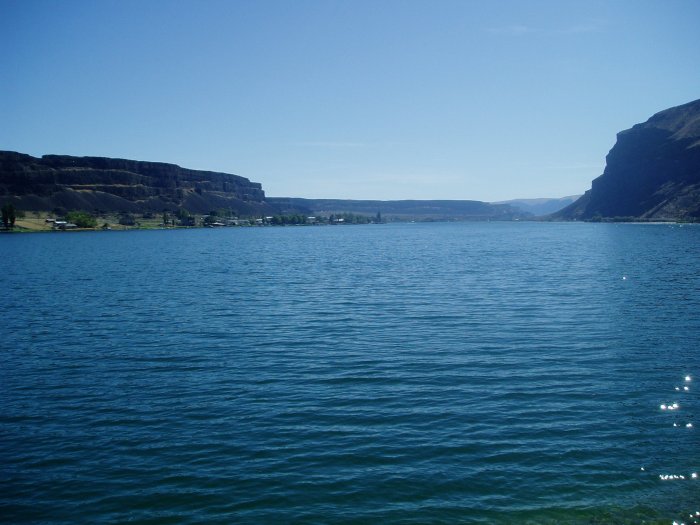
(20, 229)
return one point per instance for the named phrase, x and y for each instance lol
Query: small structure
(64, 225)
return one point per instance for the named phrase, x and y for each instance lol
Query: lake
(401, 373)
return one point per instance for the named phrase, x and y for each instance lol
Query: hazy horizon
(362, 100)
(534, 199)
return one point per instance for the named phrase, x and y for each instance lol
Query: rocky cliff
(651, 173)
(119, 185)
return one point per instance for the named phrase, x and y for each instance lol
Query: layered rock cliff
(120, 185)
(651, 173)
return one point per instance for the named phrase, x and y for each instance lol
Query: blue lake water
(409, 373)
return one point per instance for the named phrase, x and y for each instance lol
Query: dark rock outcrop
(120, 185)
(652, 172)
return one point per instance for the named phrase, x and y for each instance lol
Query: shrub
(127, 219)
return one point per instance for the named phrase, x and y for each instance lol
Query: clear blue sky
(486, 100)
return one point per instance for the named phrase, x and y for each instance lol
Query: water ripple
(444, 373)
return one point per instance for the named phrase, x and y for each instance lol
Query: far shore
(43, 222)
(111, 223)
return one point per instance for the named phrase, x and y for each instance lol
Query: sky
(381, 99)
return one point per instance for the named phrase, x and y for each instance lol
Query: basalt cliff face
(651, 173)
(120, 185)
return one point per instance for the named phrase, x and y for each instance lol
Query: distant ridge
(539, 207)
(652, 172)
(402, 209)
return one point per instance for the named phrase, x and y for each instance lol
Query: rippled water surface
(413, 373)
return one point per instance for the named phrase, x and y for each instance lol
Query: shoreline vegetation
(45, 221)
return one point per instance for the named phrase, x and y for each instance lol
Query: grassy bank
(36, 222)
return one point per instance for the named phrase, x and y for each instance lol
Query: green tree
(81, 219)
(8, 215)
